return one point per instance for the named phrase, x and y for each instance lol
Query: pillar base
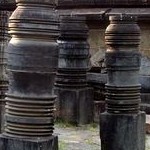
(75, 105)
(11, 143)
(122, 131)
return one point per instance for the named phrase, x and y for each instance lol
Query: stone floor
(82, 138)
(78, 138)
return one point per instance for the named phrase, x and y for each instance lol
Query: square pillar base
(122, 131)
(75, 105)
(12, 143)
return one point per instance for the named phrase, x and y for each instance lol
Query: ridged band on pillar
(73, 52)
(32, 61)
(3, 77)
(71, 83)
(123, 62)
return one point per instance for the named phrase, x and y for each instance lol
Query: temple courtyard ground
(78, 138)
(82, 138)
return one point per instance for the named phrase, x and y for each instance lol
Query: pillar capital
(37, 22)
(123, 32)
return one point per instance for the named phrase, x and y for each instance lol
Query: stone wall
(96, 40)
(102, 3)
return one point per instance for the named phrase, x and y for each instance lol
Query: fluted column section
(71, 84)
(122, 125)
(32, 60)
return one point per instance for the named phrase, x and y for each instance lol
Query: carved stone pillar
(74, 96)
(122, 125)
(3, 77)
(32, 61)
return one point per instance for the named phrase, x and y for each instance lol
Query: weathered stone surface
(32, 61)
(97, 81)
(75, 105)
(3, 76)
(71, 83)
(122, 131)
(123, 125)
(145, 83)
(11, 143)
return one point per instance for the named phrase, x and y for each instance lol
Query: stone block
(75, 105)
(12, 143)
(122, 131)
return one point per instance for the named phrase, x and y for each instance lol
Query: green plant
(62, 145)
(64, 124)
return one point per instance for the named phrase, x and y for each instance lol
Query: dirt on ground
(78, 138)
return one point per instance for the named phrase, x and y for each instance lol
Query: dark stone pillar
(74, 96)
(3, 77)
(32, 61)
(122, 126)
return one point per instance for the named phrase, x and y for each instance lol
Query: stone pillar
(122, 126)
(32, 61)
(3, 77)
(74, 102)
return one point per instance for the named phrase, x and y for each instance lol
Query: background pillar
(3, 77)
(122, 125)
(32, 61)
(6, 6)
(74, 96)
